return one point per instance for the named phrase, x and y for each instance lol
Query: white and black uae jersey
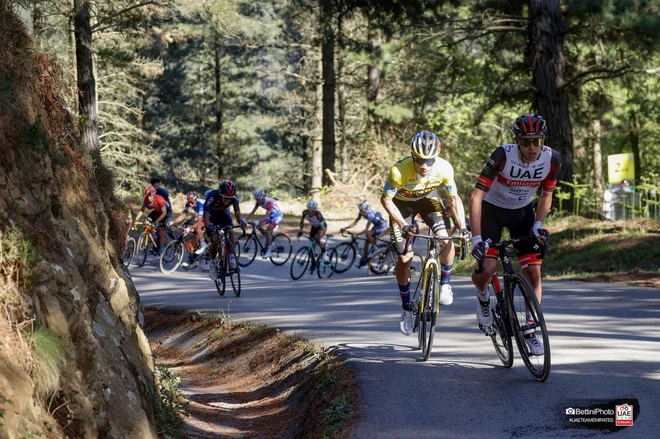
(510, 183)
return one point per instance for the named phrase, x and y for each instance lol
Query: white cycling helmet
(363, 205)
(259, 193)
(312, 205)
(425, 145)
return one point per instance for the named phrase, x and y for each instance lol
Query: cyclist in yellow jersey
(417, 185)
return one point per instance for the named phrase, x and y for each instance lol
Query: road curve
(605, 341)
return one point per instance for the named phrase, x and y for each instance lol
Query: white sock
(483, 296)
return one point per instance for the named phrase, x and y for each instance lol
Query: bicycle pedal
(488, 331)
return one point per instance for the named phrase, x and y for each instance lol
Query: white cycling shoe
(407, 322)
(446, 295)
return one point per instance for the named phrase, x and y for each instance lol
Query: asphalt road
(605, 343)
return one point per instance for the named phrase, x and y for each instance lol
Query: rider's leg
(269, 234)
(367, 244)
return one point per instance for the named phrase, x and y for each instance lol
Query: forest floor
(240, 380)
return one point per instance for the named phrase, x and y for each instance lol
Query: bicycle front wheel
(527, 319)
(326, 267)
(247, 249)
(427, 313)
(129, 252)
(416, 265)
(346, 253)
(171, 257)
(300, 263)
(142, 250)
(221, 280)
(203, 262)
(282, 248)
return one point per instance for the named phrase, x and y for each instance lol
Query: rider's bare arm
(475, 210)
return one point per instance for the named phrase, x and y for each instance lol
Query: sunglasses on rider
(421, 161)
(530, 141)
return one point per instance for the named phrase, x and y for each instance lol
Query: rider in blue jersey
(269, 221)
(375, 219)
(195, 206)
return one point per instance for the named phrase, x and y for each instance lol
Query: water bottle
(190, 247)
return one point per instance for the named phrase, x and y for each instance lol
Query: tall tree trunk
(140, 126)
(546, 39)
(317, 146)
(341, 95)
(635, 131)
(374, 73)
(596, 134)
(305, 126)
(37, 22)
(73, 88)
(328, 55)
(88, 105)
(220, 152)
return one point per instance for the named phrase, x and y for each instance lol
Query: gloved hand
(210, 229)
(255, 223)
(465, 234)
(539, 231)
(300, 233)
(243, 222)
(479, 248)
(407, 229)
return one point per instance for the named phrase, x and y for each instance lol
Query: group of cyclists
(421, 184)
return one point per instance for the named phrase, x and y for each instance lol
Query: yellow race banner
(620, 167)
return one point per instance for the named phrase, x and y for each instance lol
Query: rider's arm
(251, 213)
(207, 220)
(392, 184)
(237, 210)
(545, 201)
(475, 210)
(302, 220)
(392, 210)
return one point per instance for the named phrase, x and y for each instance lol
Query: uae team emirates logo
(624, 415)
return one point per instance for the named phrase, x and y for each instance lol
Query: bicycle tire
(143, 249)
(428, 313)
(325, 269)
(171, 257)
(203, 262)
(346, 253)
(521, 299)
(247, 249)
(501, 337)
(221, 280)
(299, 263)
(282, 249)
(417, 264)
(381, 263)
(129, 252)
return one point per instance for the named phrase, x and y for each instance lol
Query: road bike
(223, 266)
(148, 240)
(347, 251)
(250, 242)
(310, 256)
(175, 251)
(426, 298)
(516, 311)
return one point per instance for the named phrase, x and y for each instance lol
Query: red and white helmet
(529, 125)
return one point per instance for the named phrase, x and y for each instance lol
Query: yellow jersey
(405, 184)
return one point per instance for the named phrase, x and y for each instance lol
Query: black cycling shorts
(519, 222)
(221, 218)
(432, 212)
(154, 215)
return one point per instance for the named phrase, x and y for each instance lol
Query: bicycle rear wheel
(300, 263)
(345, 256)
(325, 268)
(129, 252)
(142, 250)
(381, 262)
(500, 335)
(427, 313)
(247, 249)
(171, 257)
(203, 262)
(282, 248)
(526, 316)
(221, 280)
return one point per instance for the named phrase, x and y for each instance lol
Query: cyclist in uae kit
(160, 212)
(373, 218)
(270, 220)
(316, 220)
(216, 215)
(503, 198)
(195, 205)
(416, 185)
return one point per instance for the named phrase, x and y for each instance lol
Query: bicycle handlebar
(506, 243)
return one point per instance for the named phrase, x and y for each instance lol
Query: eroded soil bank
(245, 381)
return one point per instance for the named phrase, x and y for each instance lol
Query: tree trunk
(551, 99)
(140, 126)
(88, 105)
(341, 95)
(305, 128)
(73, 88)
(317, 145)
(634, 142)
(373, 74)
(220, 152)
(598, 158)
(37, 23)
(328, 54)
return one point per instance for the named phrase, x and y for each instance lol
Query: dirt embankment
(245, 381)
